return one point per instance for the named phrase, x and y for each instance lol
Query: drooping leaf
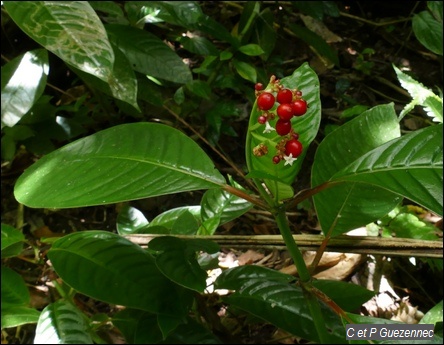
(348, 206)
(410, 166)
(245, 70)
(125, 162)
(62, 323)
(148, 54)
(305, 80)
(23, 82)
(110, 268)
(69, 29)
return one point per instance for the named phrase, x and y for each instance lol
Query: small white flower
(268, 128)
(289, 159)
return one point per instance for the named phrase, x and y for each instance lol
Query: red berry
(299, 107)
(293, 147)
(262, 119)
(298, 94)
(285, 111)
(295, 136)
(265, 101)
(276, 159)
(283, 127)
(284, 96)
(258, 86)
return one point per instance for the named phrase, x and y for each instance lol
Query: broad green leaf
(217, 202)
(148, 54)
(284, 306)
(168, 218)
(410, 166)
(23, 82)
(348, 206)
(178, 260)
(137, 324)
(428, 31)
(316, 41)
(191, 332)
(199, 45)
(12, 241)
(421, 95)
(436, 8)
(130, 220)
(434, 315)
(125, 162)
(199, 88)
(122, 84)
(348, 296)
(248, 16)
(185, 224)
(245, 70)
(183, 13)
(14, 316)
(264, 34)
(234, 278)
(14, 290)
(208, 226)
(251, 49)
(110, 268)
(69, 29)
(305, 80)
(62, 323)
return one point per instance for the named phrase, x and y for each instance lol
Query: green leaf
(178, 260)
(148, 54)
(245, 70)
(185, 224)
(62, 323)
(285, 307)
(110, 268)
(305, 80)
(421, 95)
(169, 218)
(14, 316)
(192, 332)
(264, 34)
(347, 296)
(428, 31)
(219, 203)
(348, 206)
(251, 49)
(434, 315)
(23, 82)
(12, 241)
(137, 326)
(125, 162)
(410, 166)
(199, 45)
(130, 220)
(122, 84)
(14, 290)
(199, 88)
(234, 278)
(70, 30)
(316, 41)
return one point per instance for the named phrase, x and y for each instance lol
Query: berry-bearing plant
(361, 171)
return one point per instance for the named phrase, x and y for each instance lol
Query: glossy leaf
(130, 220)
(23, 82)
(148, 54)
(69, 29)
(348, 206)
(110, 268)
(217, 202)
(251, 49)
(434, 315)
(284, 306)
(234, 278)
(185, 224)
(169, 218)
(14, 290)
(122, 84)
(12, 241)
(178, 260)
(245, 70)
(428, 31)
(62, 323)
(421, 96)
(14, 316)
(125, 162)
(410, 166)
(191, 332)
(305, 80)
(137, 324)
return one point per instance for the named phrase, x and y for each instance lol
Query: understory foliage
(108, 103)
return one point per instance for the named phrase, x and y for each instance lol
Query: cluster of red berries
(290, 103)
